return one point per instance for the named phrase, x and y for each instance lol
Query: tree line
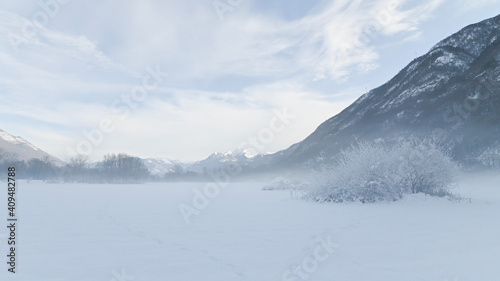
(113, 168)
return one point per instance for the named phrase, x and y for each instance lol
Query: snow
(450, 59)
(158, 166)
(15, 140)
(431, 83)
(473, 39)
(116, 232)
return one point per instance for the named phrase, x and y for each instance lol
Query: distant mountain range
(214, 162)
(451, 94)
(20, 149)
(17, 148)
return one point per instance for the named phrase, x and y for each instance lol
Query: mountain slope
(451, 93)
(21, 149)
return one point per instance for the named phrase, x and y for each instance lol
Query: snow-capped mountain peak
(16, 140)
(23, 150)
(247, 153)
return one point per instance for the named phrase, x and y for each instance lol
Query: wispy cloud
(66, 76)
(329, 43)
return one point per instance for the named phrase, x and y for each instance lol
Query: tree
(77, 169)
(123, 168)
(8, 157)
(78, 162)
(370, 172)
(39, 169)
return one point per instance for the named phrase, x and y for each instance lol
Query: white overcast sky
(227, 75)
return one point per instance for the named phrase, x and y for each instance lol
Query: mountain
(217, 161)
(214, 162)
(452, 93)
(159, 166)
(17, 148)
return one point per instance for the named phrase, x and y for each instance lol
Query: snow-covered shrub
(490, 158)
(370, 172)
(425, 167)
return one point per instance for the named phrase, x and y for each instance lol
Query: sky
(184, 79)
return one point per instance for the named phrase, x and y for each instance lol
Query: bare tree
(41, 169)
(8, 157)
(77, 169)
(123, 168)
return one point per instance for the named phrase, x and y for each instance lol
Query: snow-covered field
(136, 232)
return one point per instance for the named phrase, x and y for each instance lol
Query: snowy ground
(136, 232)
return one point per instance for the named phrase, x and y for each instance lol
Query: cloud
(246, 43)
(65, 77)
(474, 4)
(332, 42)
(203, 122)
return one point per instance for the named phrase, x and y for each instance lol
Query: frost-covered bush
(425, 167)
(490, 158)
(370, 172)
